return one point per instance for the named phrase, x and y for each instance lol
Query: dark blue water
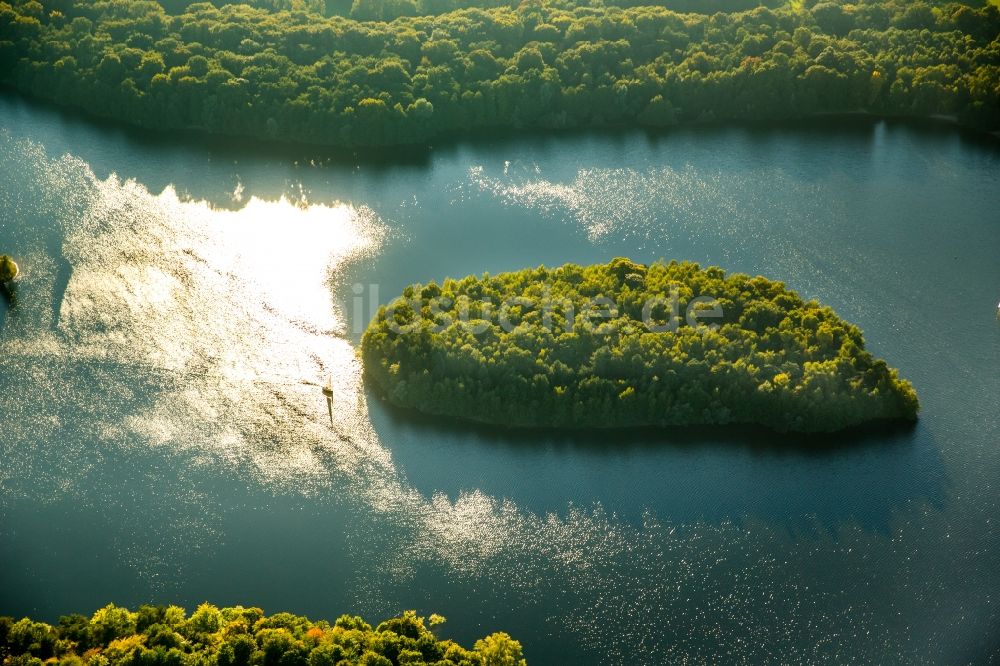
(163, 438)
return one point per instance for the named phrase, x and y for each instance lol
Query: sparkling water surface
(163, 437)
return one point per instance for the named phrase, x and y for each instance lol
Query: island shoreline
(381, 153)
(747, 434)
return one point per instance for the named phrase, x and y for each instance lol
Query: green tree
(499, 649)
(112, 622)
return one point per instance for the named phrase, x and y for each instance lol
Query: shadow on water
(679, 475)
(64, 273)
(8, 301)
(302, 164)
(128, 506)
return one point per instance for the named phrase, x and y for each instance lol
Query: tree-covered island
(382, 72)
(625, 344)
(167, 636)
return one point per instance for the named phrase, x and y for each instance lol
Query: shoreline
(782, 439)
(355, 152)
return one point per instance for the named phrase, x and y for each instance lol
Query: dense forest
(166, 636)
(624, 344)
(377, 72)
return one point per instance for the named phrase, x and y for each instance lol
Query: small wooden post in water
(328, 392)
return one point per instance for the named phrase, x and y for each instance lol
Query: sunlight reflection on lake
(229, 310)
(219, 326)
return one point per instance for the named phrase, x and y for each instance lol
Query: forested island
(381, 72)
(167, 636)
(625, 344)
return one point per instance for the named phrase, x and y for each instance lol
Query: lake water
(163, 437)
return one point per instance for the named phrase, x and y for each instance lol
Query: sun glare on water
(225, 318)
(290, 252)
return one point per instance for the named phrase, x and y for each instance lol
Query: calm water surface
(163, 438)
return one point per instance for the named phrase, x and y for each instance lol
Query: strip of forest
(238, 636)
(391, 72)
